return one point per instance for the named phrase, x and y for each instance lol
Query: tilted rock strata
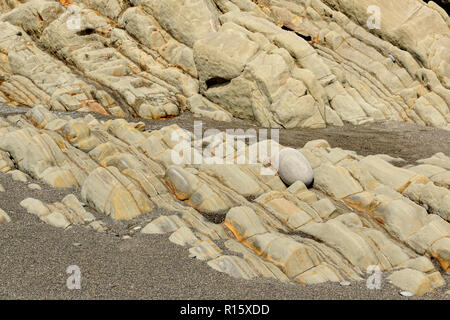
(361, 211)
(280, 63)
(63, 214)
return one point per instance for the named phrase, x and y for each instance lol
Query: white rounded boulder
(293, 166)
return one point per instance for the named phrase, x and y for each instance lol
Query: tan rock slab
(411, 280)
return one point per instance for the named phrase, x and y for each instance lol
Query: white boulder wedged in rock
(293, 166)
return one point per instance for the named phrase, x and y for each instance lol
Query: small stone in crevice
(406, 293)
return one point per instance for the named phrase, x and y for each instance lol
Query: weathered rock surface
(412, 281)
(63, 214)
(293, 166)
(287, 64)
(4, 217)
(324, 214)
(359, 213)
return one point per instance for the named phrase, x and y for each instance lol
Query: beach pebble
(34, 186)
(406, 293)
(18, 176)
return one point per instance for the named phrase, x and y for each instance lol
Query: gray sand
(397, 139)
(35, 257)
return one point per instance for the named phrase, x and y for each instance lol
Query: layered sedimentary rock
(361, 212)
(69, 211)
(279, 63)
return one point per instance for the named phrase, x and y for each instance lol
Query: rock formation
(279, 63)
(90, 70)
(361, 211)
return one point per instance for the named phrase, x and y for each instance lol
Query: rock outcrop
(247, 208)
(279, 63)
(62, 214)
(360, 212)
